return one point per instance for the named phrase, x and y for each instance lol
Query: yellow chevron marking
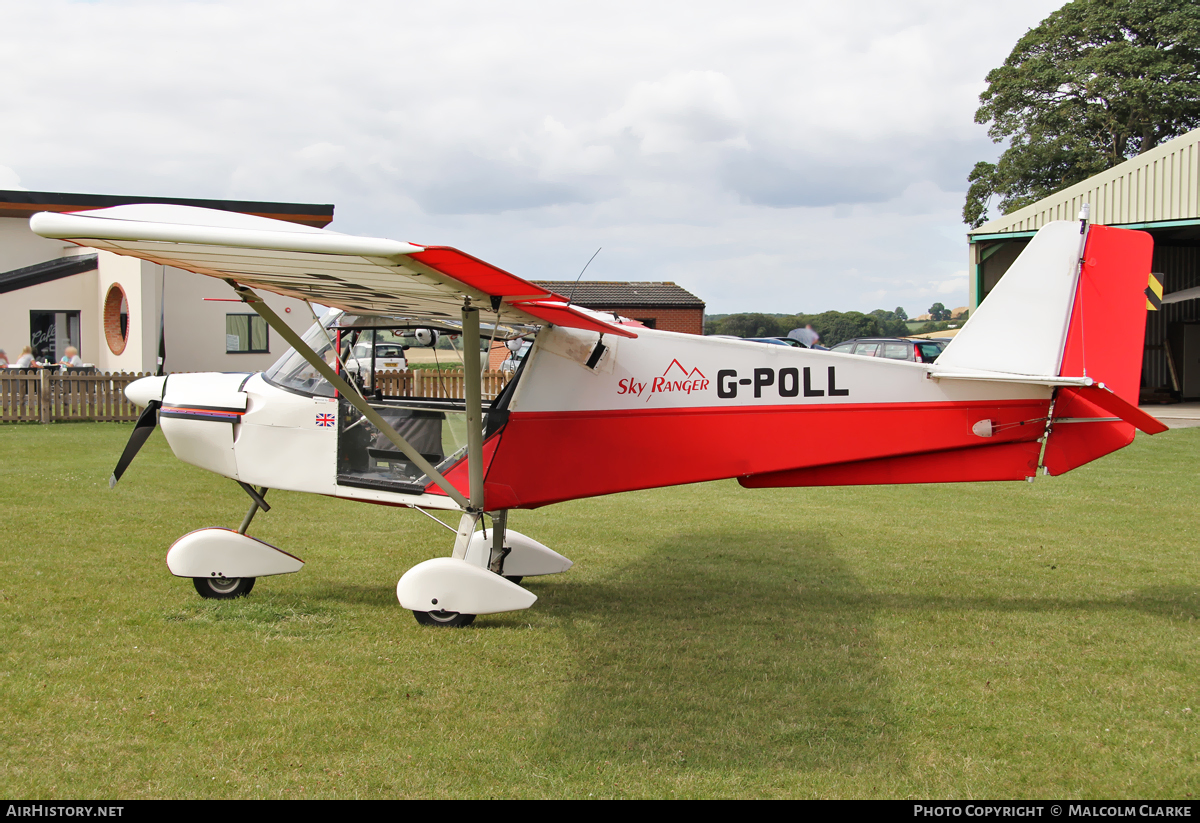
(1154, 290)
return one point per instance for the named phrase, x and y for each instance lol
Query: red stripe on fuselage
(549, 457)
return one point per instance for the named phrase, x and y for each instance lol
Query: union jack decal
(325, 420)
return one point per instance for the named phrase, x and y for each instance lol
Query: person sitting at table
(71, 357)
(25, 361)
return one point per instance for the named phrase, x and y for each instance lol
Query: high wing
(361, 275)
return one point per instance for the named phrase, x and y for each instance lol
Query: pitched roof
(606, 294)
(1156, 186)
(27, 276)
(29, 203)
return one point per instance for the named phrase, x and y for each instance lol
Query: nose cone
(141, 392)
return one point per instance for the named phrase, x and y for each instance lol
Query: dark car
(778, 341)
(916, 350)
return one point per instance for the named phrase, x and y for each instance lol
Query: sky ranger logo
(675, 379)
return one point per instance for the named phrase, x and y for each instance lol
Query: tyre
(514, 578)
(223, 588)
(452, 620)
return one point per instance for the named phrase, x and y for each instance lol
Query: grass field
(970, 641)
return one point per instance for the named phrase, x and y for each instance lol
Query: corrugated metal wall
(1180, 266)
(1161, 184)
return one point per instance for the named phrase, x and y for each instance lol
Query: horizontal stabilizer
(1085, 387)
(1104, 397)
(1000, 377)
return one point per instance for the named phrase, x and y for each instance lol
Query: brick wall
(497, 355)
(687, 321)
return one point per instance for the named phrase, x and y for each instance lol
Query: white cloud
(679, 112)
(769, 156)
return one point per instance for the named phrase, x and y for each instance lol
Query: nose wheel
(451, 620)
(224, 588)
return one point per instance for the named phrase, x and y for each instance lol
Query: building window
(116, 319)
(245, 334)
(51, 332)
(648, 322)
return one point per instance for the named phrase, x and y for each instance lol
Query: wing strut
(473, 389)
(356, 400)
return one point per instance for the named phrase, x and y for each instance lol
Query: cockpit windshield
(371, 346)
(292, 371)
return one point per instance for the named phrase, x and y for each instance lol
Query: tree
(900, 313)
(939, 312)
(889, 324)
(1095, 83)
(753, 325)
(836, 326)
(832, 326)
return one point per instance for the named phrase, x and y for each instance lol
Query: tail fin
(1072, 306)
(1021, 328)
(1071, 312)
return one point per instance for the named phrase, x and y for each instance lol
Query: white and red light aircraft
(1043, 378)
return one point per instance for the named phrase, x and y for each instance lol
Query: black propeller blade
(141, 430)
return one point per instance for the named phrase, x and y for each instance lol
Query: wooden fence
(436, 383)
(45, 396)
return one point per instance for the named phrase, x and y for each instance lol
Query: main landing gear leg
(499, 550)
(450, 591)
(466, 528)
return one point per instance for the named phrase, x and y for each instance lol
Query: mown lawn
(971, 641)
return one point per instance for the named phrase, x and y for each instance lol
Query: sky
(777, 157)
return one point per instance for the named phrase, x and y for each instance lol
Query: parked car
(515, 357)
(772, 341)
(918, 350)
(388, 357)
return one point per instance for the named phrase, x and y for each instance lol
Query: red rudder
(1104, 342)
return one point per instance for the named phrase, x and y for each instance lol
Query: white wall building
(112, 308)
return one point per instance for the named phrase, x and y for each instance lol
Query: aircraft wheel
(447, 619)
(514, 578)
(223, 588)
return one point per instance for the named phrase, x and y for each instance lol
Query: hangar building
(1157, 192)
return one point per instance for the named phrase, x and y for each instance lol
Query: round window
(116, 319)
